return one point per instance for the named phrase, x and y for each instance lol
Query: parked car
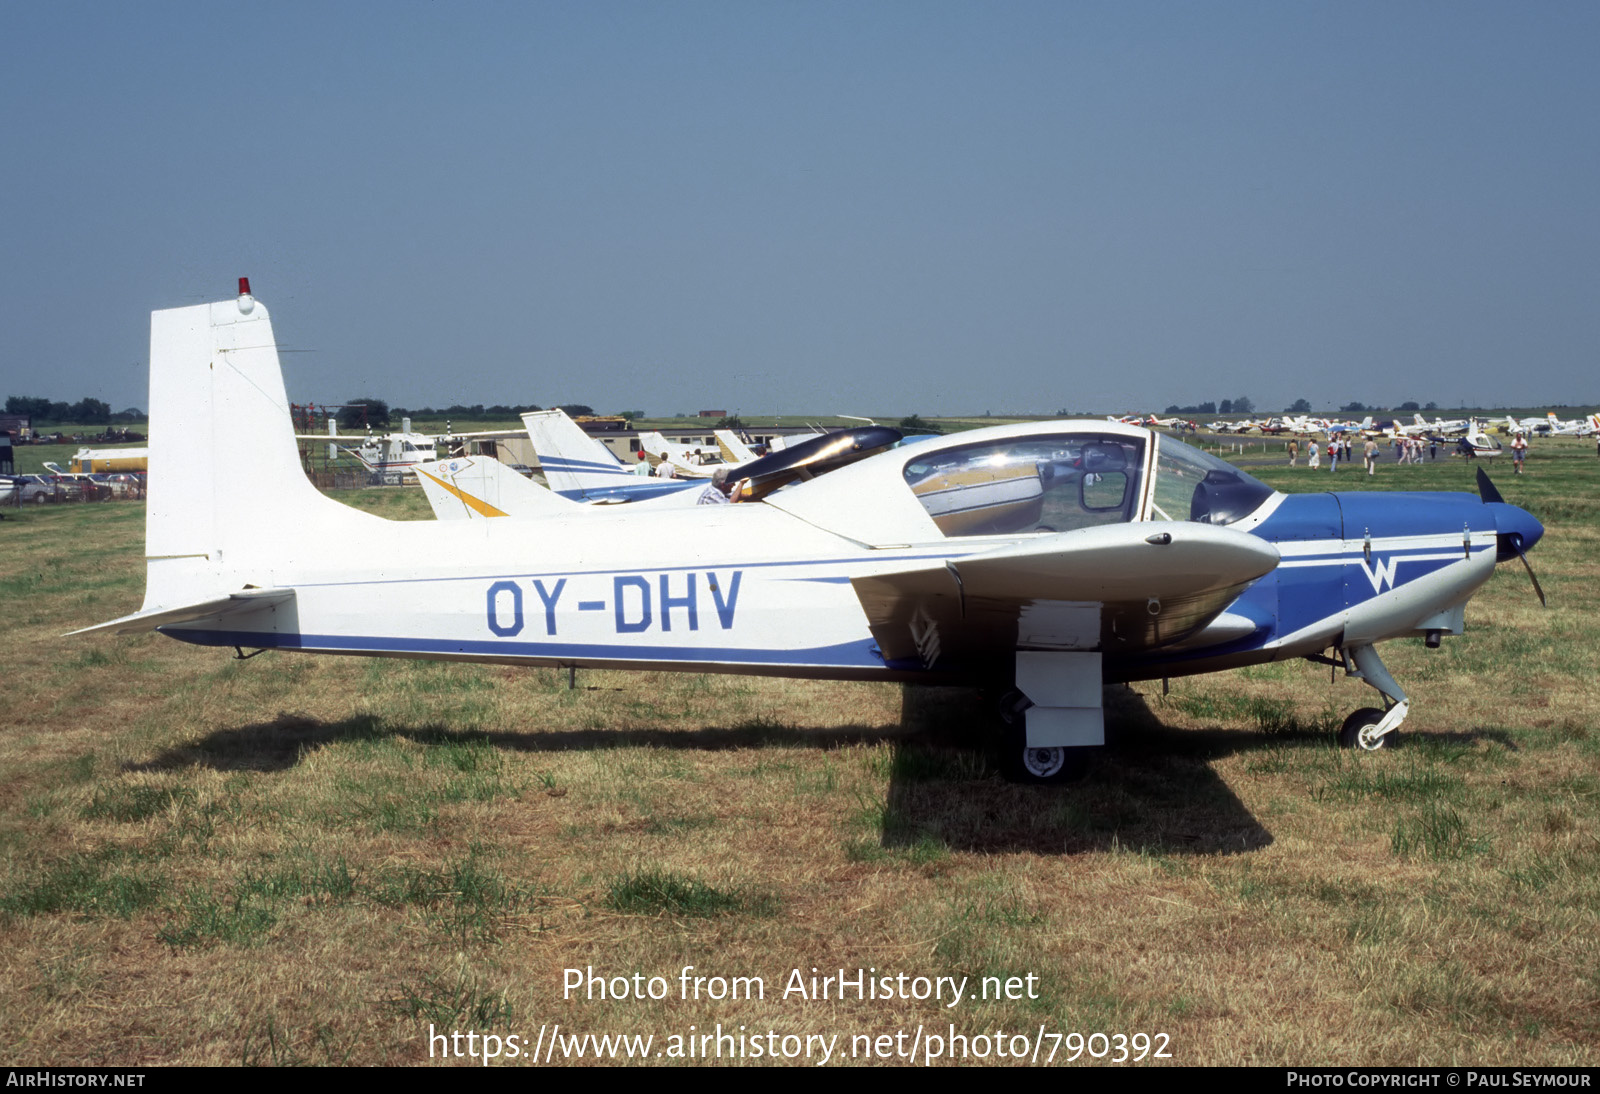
(38, 489)
(70, 489)
(122, 484)
(94, 489)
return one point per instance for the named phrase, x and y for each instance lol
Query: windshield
(1194, 485)
(1030, 484)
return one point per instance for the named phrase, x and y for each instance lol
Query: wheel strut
(1369, 667)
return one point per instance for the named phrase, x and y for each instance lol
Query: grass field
(313, 860)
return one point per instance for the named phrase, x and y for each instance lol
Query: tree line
(1244, 405)
(1241, 405)
(377, 414)
(83, 412)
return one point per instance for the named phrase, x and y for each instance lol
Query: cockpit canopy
(1029, 484)
(1058, 483)
(1195, 485)
(1039, 478)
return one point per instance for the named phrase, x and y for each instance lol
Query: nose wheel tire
(1360, 731)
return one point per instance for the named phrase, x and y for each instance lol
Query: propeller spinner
(1518, 530)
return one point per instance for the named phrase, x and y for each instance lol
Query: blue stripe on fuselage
(857, 654)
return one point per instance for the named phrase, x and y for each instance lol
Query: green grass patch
(467, 901)
(135, 803)
(662, 892)
(87, 884)
(1436, 831)
(206, 919)
(1356, 777)
(451, 1002)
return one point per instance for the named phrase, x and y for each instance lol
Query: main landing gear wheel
(1043, 764)
(1035, 765)
(1360, 729)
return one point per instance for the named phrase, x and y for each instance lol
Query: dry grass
(301, 860)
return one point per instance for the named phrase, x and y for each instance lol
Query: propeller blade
(1488, 493)
(1529, 567)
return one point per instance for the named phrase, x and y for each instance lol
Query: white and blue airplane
(579, 467)
(1048, 558)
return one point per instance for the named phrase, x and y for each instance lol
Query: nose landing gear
(1360, 730)
(1369, 728)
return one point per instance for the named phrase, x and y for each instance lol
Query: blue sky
(869, 208)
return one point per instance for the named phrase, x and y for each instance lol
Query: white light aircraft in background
(1572, 427)
(689, 461)
(580, 467)
(394, 453)
(479, 487)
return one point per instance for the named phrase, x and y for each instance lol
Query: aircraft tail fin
(733, 449)
(573, 462)
(229, 504)
(654, 444)
(481, 488)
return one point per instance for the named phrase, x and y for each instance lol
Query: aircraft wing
(1123, 589)
(480, 435)
(344, 438)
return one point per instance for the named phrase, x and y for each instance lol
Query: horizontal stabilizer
(242, 601)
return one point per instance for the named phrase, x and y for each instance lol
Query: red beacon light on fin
(247, 303)
(244, 286)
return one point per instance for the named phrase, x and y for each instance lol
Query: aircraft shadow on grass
(1151, 790)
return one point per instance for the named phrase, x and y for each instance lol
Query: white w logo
(1381, 572)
